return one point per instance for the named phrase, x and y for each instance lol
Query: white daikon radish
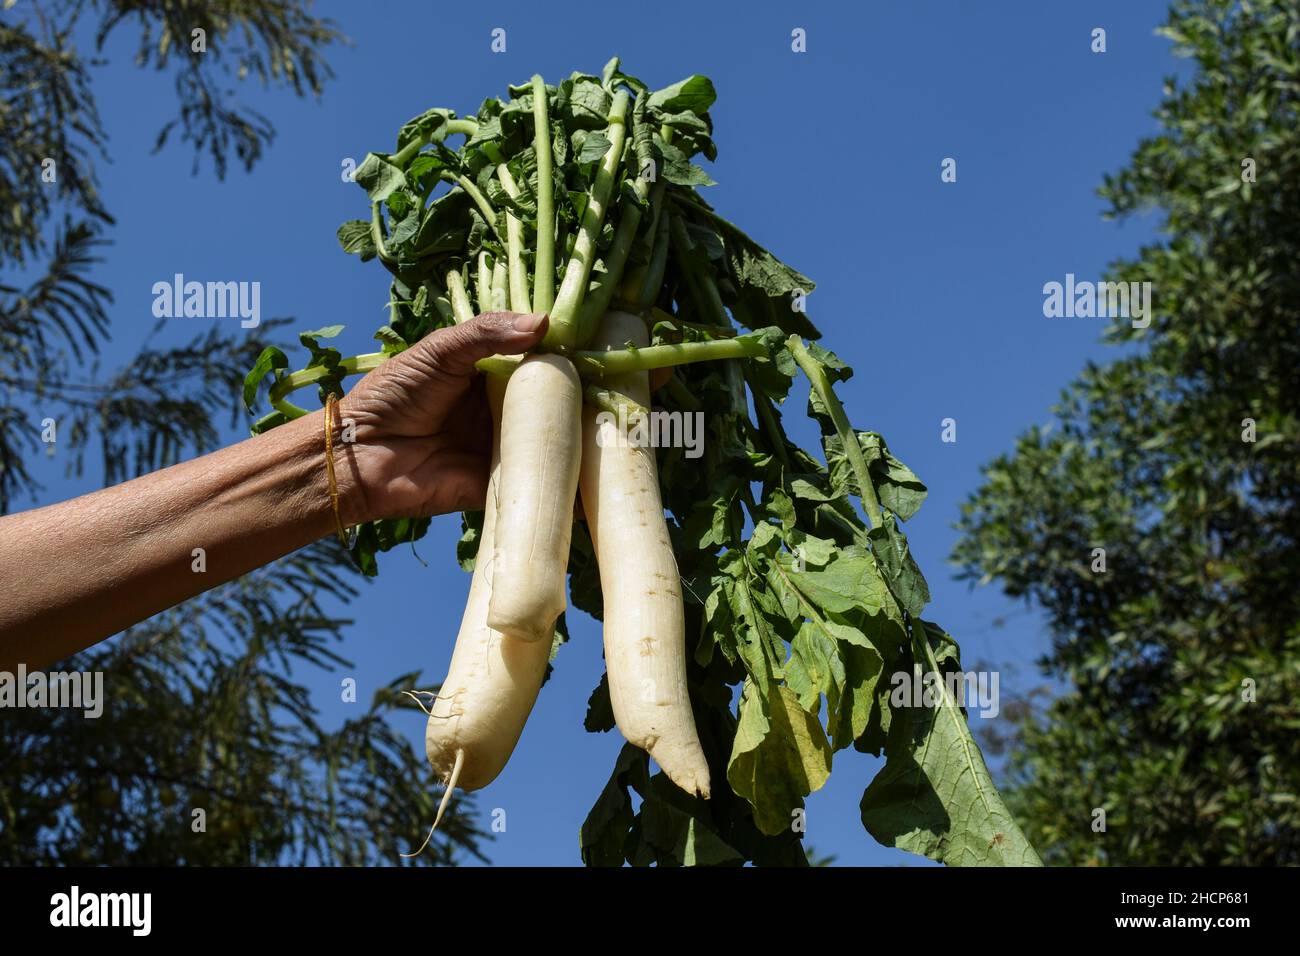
(645, 650)
(493, 679)
(541, 441)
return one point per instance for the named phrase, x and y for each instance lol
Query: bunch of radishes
(579, 200)
(556, 203)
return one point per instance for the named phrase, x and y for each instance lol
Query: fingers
(494, 333)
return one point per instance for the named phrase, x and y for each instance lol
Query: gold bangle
(330, 402)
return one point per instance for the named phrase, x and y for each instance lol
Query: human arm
(78, 571)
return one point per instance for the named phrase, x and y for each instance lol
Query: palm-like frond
(48, 117)
(276, 42)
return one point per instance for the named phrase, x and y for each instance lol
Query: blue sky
(932, 290)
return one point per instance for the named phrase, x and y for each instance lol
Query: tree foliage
(204, 710)
(1182, 461)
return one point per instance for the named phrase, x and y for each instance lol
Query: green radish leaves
(429, 126)
(669, 828)
(935, 796)
(779, 757)
(605, 833)
(356, 239)
(583, 103)
(695, 94)
(594, 146)
(802, 597)
(270, 362)
(379, 177)
(323, 356)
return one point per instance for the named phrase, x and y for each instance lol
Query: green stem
(634, 285)
(623, 361)
(500, 300)
(377, 235)
(309, 376)
(359, 365)
(287, 408)
(658, 315)
(598, 298)
(708, 302)
(642, 287)
(770, 424)
(544, 263)
(481, 201)
(483, 284)
(515, 247)
(562, 332)
(921, 646)
(616, 403)
(656, 203)
(403, 156)
(461, 308)
(848, 437)
(591, 365)
(445, 312)
(703, 289)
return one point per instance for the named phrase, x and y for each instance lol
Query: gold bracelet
(330, 402)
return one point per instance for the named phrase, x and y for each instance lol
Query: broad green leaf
(428, 124)
(760, 645)
(594, 146)
(695, 93)
(677, 168)
(753, 265)
(324, 332)
(379, 177)
(403, 231)
(356, 239)
(815, 668)
(780, 755)
(904, 577)
(810, 550)
(605, 832)
(684, 121)
(848, 722)
(896, 485)
(424, 164)
(935, 796)
(583, 103)
(845, 584)
(675, 829)
(444, 224)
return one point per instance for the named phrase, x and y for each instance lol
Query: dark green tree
(1180, 664)
(203, 710)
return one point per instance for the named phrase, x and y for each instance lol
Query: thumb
(493, 333)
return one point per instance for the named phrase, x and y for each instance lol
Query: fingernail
(529, 322)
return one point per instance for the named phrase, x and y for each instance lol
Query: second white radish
(645, 652)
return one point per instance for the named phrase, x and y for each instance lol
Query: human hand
(423, 433)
